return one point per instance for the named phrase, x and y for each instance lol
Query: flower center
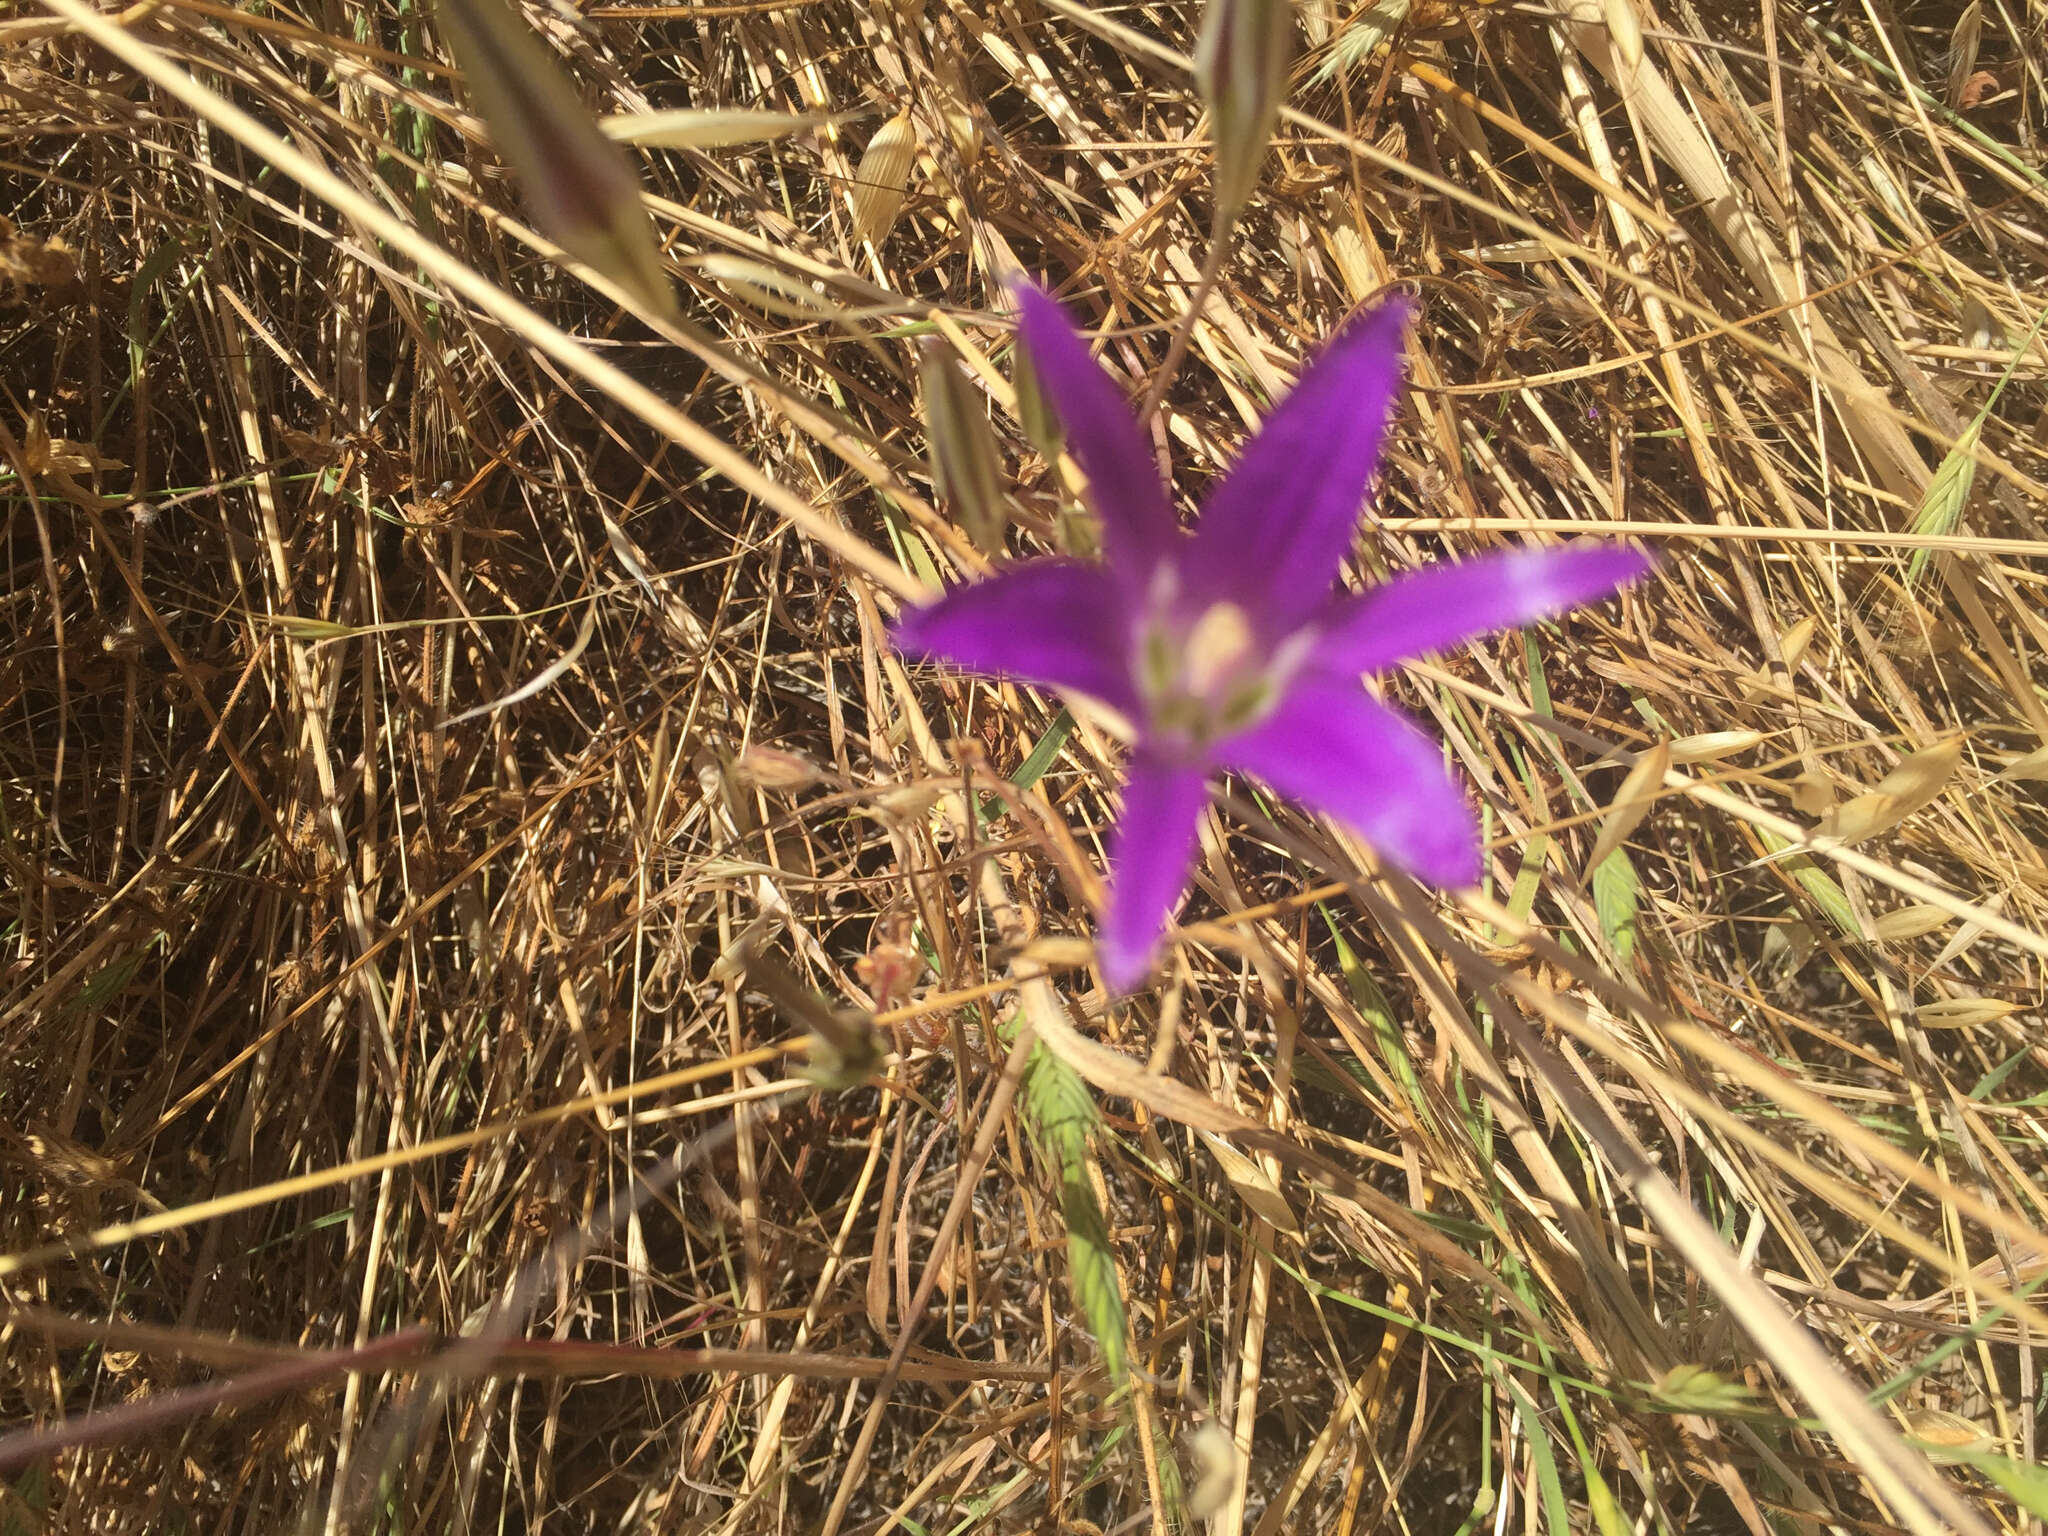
(1216, 648)
(1207, 679)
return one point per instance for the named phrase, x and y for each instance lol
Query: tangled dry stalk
(427, 681)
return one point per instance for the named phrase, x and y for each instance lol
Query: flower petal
(1442, 606)
(1272, 534)
(1138, 526)
(1054, 622)
(1149, 860)
(1338, 750)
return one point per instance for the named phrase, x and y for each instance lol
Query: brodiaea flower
(1232, 648)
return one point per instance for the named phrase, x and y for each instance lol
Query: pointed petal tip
(1577, 574)
(1043, 320)
(1450, 860)
(1124, 970)
(1139, 529)
(1436, 607)
(912, 635)
(1025, 288)
(1275, 530)
(1626, 562)
(1151, 862)
(1438, 846)
(903, 633)
(1343, 753)
(1394, 309)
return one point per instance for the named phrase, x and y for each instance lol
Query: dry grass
(332, 1011)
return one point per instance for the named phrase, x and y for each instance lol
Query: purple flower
(1233, 648)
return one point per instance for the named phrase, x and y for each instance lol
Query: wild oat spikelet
(582, 188)
(965, 466)
(882, 179)
(1241, 64)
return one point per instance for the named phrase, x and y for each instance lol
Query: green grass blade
(1062, 1115)
(1557, 1512)
(1045, 752)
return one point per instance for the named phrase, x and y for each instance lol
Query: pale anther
(1217, 646)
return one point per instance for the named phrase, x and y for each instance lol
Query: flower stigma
(1217, 646)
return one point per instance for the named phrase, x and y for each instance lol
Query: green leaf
(1374, 1008)
(1608, 1518)
(976, 1509)
(1615, 889)
(1539, 681)
(909, 545)
(33, 1492)
(1529, 878)
(1818, 884)
(2024, 1482)
(1482, 1509)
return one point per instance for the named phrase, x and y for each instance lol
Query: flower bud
(963, 448)
(1241, 70)
(581, 188)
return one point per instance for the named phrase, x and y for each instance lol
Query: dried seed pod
(1632, 803)
(882, 179)
(1910, 922)
(1216, 1466)
(777, 769)
(1912, 786)
(1252, 1183)
(1712, 746)
(1979, 326)
(1626, 30)
(710, 128)
(768, 288)
(1795, 642)
(1920, 779)
(2034, 765)
(1963, 1012)
(1811, 793)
